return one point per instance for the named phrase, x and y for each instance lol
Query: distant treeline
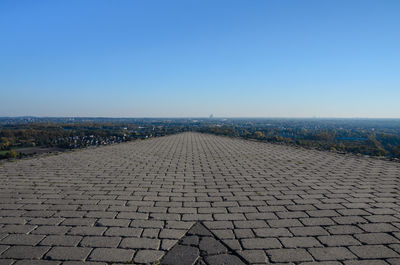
(374, 137)
(343, 140)
(74, 135)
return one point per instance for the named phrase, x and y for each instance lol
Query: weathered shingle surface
(266, 203)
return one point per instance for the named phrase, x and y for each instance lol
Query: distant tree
(259, 135)
(12, 153)
(4, 143)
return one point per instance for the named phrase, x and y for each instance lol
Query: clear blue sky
(191, 58)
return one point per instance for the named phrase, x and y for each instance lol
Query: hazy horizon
(192, 117)
(239, 59)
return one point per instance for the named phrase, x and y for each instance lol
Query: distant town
(25, 136)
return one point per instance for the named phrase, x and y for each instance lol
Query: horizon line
(190, 117)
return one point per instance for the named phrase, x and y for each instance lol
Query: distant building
(211, 116)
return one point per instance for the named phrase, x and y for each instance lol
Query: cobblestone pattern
(132, 202)
(200, 246)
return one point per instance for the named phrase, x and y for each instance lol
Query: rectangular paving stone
(376, 238)
(250, 224)
(36, 262)
(368, 262)
(87, 230)
(100, 241)
(147, 224)
(289, 255)
(24, 252)
(299, 242)
(45, 221)
(260, 243)
(378, 227)
(354, 212)
(140, 243)
(308, 231)
(294, 214)
(168, 216)
(112, 255)
(148, 256)
(344, 229)
(348, 220)
(133, 215)
(167, 244)
(373, 252)
(79, 221)
(83, 263)
(197, 217)
(113, 222)
(219, 224)
(284, 223)
(331, 253)
(22, 239)
(242, 233)
(68, 253)
(17, 229)
(151, 232)
(317, 221)
(322, 213)
(260, 216)
(123, 231)
(171, 233)
(254, 256)
(61, 240)
(12, 220)
(338, 240)
(229, 217)
(272, 232)
(51, 230)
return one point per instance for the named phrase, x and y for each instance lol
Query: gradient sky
(191, 58)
